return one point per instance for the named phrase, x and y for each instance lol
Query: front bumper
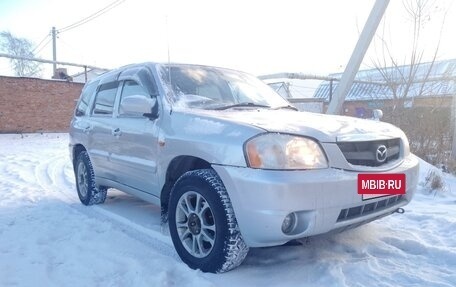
(262, 198)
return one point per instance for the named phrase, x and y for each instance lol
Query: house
(298, 89)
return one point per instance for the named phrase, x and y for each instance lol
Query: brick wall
(36, 105)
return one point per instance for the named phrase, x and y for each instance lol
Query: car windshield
(216, 88)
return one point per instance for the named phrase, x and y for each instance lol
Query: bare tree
(408, 76)
(20, 47)
(402, 76)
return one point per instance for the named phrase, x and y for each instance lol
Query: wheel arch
(176, 168)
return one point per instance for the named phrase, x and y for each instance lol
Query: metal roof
(429, 79)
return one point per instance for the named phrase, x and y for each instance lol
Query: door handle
(87, 129)
(116, 132)
(84, 127)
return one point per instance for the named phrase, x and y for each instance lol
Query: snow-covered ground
(47, 238)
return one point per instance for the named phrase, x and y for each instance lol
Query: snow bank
(48, 238)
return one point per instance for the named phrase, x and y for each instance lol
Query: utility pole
(54, 50)
(344, 86)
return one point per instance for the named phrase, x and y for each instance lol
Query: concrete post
(453, 121)
(344, 86)
(54, 51)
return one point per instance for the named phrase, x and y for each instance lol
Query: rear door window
(86, 94)
(105, 99)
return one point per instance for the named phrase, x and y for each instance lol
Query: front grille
(371, 153)
(361, 210)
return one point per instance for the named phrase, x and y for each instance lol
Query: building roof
(427, 80)
(294, 88)
(91, 73)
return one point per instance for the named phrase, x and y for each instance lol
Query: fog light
(289, 223)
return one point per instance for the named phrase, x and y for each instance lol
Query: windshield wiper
(287, 107)
(249, 104)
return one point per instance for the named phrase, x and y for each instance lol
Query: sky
(260, 37)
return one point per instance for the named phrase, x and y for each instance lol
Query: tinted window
(105, 98)
(86, 94)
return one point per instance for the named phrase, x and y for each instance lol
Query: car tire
(203, 225)
(89, 193)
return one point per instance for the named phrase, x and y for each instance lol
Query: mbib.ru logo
(384, 184)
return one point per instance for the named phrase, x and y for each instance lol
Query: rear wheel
(89, 193)
(202, 223)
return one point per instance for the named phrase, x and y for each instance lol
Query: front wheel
(202, 223)
(89, 193)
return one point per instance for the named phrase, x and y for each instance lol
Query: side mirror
(377, 114)
(139, 105)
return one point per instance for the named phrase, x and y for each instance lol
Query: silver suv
(230, 162)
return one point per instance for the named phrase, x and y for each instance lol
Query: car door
(135, 146)
(101, 139)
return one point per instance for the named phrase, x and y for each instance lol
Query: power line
(41, 42)
(44, 46)
(92, 16)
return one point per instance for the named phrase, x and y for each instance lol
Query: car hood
(325, 128)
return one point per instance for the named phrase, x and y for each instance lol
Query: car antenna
(169, 58)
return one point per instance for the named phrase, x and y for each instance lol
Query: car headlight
(282, 151)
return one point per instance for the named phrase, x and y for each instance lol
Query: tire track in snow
(56, 177)
(18, 180)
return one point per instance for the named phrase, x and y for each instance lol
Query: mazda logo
(381, 154)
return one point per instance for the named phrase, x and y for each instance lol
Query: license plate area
(375, 185)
